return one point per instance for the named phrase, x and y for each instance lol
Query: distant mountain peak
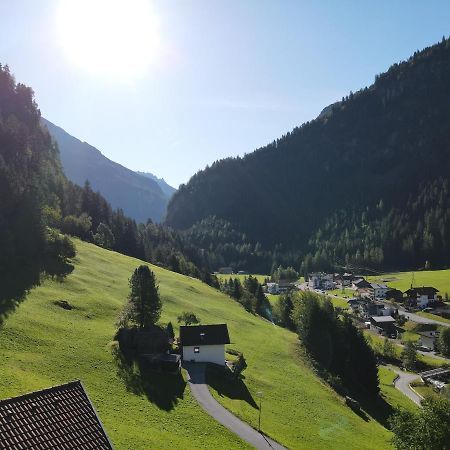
(140, 197)
(167, 189)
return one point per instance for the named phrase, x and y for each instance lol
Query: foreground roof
(61, 417)
(204, 335)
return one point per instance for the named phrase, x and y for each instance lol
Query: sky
(169, 86)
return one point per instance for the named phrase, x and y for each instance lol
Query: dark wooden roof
(61, 417)
(425, 290)
(204, 335)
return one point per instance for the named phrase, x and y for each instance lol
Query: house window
(196, 349)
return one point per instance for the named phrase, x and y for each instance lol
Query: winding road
(402, 384)
(199, 388)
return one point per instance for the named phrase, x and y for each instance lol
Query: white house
(321, 280)
(378, 290)
(204, 343)
(422, 295)
(273, 288)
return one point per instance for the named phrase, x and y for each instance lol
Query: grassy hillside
(42, 344)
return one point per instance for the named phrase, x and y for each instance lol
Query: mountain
(166, 188)
(139, 196)
(365, 183)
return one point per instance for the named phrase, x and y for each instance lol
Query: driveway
(199, 388)
(402, 384)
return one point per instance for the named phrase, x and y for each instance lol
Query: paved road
(420, 319)
(402, 384)
(200, 391)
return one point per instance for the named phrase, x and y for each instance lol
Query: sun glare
(116, 39)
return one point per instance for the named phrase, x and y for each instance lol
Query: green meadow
(261, 278)
(440, 279)
(42, 345)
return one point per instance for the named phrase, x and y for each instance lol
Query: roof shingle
(60, 417)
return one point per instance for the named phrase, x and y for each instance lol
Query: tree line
(338, 348)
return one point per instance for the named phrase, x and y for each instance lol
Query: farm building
(59, 417)
(204, 343)
(382, 324)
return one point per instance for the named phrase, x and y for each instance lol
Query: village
(382, 311)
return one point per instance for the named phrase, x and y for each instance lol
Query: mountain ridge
(139, 196)
(167, 189)
(386, 142)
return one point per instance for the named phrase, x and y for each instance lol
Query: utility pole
(260, 395)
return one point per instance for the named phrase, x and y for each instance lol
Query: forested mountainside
(365, 183)
(167, 189)
(140, 197)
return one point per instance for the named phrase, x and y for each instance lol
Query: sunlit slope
(42, 344)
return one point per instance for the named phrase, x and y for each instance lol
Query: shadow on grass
(378, 408)
(163, 390)
(16, 282)
(221, 380)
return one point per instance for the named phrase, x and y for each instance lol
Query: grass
(273, 299)
(260, 278)
(440, 279)
(342, 293)
(392, 395)
(410, 336)
(339, 302)
(42, 344)
(425, 390)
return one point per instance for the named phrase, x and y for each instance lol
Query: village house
(273, 288)
(343, 280)
(378, 291)
(226, 271)
(204, 343)
(422, 296)
(395, 295)
(383, 324)
(321, 280)
(360, 283)
(58, 417)
(362, 287)
(285, 285)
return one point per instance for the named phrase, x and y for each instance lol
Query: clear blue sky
(227, 77)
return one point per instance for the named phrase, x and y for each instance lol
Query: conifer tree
(144, 303)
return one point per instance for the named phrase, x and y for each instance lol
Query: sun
(116, 39)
